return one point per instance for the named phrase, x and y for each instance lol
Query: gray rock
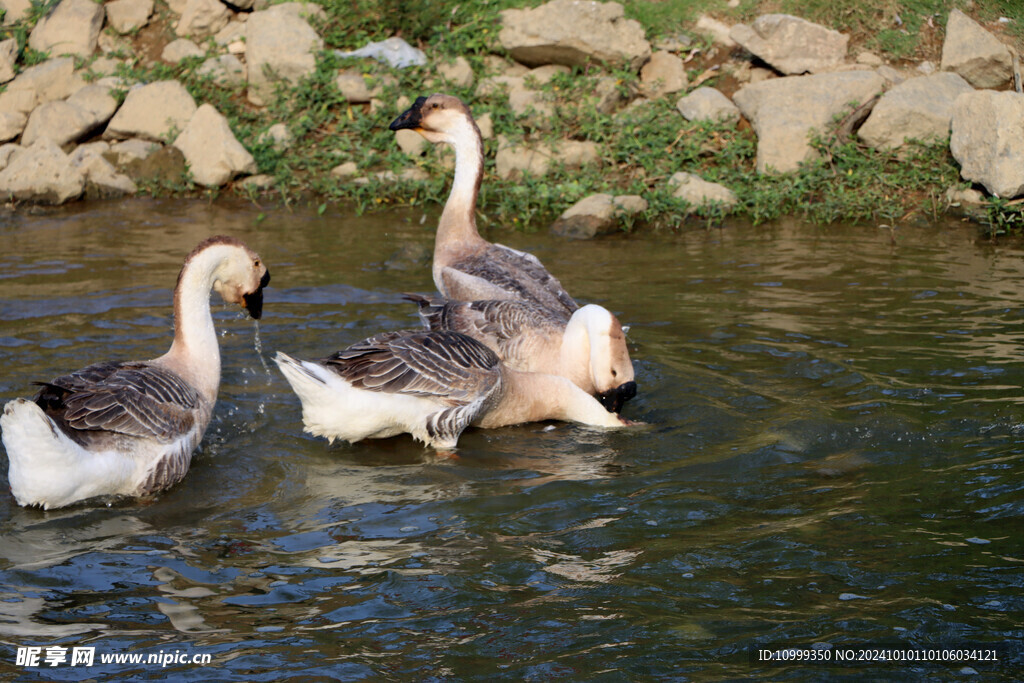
(42, 174)
(533, 107)
(393, 51)
(8, 58)
(83, 153)
(279, 137)
(597, 214)
(663, 74)
(574, 33)
(125, 152)
(280, 46)
(102, 181)
(353, 87)
(164, 166)
(784, 111)
(202, 18)
(699, 192)
(12, 123)
(920, 108)
(974, 53)
(226, 71)
(180, 49)
(233, 32)
(257, 183)
(718, 31)
(54, 79)
(155, 111)
(513, 160)
(97, 101)
(213, 154)
(15, 10)
(988, 140)
(607, 94)
(458, 72)
(125, 16)
(791, 44)
(57, 121)
(956, 197)
(708, 104)
(71, 29)
(7, 153)
(346, 170)
(411, 143)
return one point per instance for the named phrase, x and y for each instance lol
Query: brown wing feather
(136, 399)
(520, 274)
(445, 365)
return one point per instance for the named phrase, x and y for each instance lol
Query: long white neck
(533, 396)
(457, 227)
(583, 346)
(195, 354)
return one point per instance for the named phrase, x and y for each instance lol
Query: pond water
(832, 455)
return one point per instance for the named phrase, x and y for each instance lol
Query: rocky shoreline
(82, 124)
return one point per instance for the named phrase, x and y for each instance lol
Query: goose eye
(614, 374)
(256, 263)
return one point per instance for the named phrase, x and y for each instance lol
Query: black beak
(613, 399)
(253, 303)
(411, 117)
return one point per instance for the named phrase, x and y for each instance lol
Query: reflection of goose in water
(129, 428)
(431, 385)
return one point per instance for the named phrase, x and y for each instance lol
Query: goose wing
(517, 274)
(136, 399)
(498, 323)
(445, 365)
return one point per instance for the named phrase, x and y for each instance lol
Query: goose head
(238, 273)
(611, 369)
(438, 118)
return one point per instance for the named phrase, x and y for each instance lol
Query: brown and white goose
(588, 347)
(431, 385)
(129, 428)
(466, 266)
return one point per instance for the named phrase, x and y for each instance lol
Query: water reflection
(833, 453)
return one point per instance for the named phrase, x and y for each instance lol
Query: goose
(466, 266)
(129, 428)
(432, 385)
(588, 347)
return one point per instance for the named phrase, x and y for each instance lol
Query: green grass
(641, 148)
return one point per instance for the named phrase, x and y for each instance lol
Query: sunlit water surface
(832, 455)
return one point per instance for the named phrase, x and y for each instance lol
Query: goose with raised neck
(129, 427)
(466, 266)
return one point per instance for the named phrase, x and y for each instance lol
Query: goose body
(467, 267)
(129, 428)
(432, 385)
(587, 347)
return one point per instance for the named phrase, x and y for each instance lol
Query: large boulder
(596, 214)
(919, 108)
(54, 79)
(974, 53)
(213, 153)
(791, 44)
(8, 58)
(513, 160)
(988, 140)
(663, 74)
(574, 33)
(699, 192)
(59, 121)
(15, 10)
(41, 173)
(784, 111)
(154, 111)
(125, 16)
(708, 104)
(202, 18)
(72, 28)
(280, 46)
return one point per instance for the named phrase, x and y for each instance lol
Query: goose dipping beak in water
(128, 428)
